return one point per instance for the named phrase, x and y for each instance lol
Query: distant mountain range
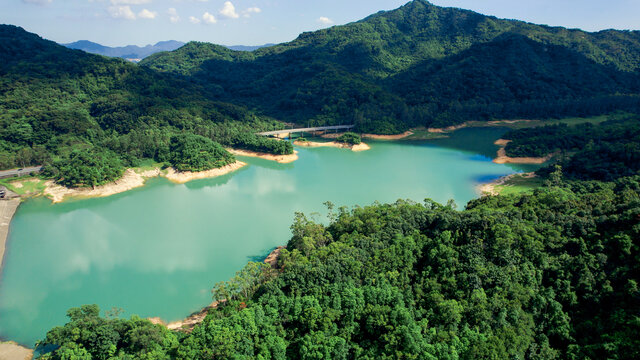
(136, 53)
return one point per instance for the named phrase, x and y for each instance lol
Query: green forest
(87, 117)
(548, 275)
(551, 274)
(422, 65)
(605, 151)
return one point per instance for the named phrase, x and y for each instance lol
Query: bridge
(310, 129)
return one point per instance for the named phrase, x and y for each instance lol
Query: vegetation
(546, 275)
(197, 153)
(85, 167)
(422, 65)
(604, 152)
(349, 138)
(59, 107)
(519, 184)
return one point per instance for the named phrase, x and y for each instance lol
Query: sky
(256, 22)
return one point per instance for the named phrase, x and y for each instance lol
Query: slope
(305, 80)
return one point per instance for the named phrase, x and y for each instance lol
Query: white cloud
(194, 19)
(208, 18)
(252, 10)
(324, 20)
(229, 11)
(146, 14)
(130, 2)
(173, 15)
(37, 2)
(121, 12)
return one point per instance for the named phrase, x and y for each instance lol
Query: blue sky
(253, 22)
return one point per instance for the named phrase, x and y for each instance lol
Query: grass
(423, 134)
(31, 185)
(148, 164)
(519, 184)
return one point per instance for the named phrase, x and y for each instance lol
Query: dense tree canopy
(548, 275)
(190, 152)
(422, 65)
(55, 101)
(349, 138)
(604, 152)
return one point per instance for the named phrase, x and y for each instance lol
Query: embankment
(11, 351)
(283, 159)
(7, 210)
(359, 147)
(132, 179)
(373, 136)
(502, 157)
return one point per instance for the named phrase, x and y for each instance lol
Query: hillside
(58, 104)
(548, 275)
(360, 72)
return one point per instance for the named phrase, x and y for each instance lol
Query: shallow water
(158, 250)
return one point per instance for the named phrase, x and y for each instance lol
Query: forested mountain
(59, 105)
(548, 275)
(407, 67)
(130, 52)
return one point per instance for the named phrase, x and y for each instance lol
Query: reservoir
(159, 249)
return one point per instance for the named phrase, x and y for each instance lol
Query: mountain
(56, 101)
(247, 48)
(389, 71)
(130, 52)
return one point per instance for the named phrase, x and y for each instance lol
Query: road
(22, 171)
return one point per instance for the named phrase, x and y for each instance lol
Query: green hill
(341, 74)
(56, 101)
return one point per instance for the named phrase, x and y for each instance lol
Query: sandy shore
(504, 159)
(196, 318)
(129, 180)
(132, 179)
(283, 159)
(186, 176)
(7, 210)
(11, 351)
(447, 129)
(490, 188)
(479, 124)
(360, 147)
(373, 136)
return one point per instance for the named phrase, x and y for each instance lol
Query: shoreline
(282, 159)
(181, 177)
(373, 136)
(502, 157)
(312, 144)
(7, 210)
(476, 123)
(489, 189)
(132, 179)
(11, 350)
(187, 324)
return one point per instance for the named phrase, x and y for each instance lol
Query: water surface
(158, 250)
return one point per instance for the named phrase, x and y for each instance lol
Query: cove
(159, 249)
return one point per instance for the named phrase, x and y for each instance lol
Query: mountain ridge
(340, 74)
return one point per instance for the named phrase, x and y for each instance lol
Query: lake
(158, 250)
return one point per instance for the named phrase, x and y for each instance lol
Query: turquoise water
(159, 249)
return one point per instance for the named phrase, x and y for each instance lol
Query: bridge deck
(310, 129)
